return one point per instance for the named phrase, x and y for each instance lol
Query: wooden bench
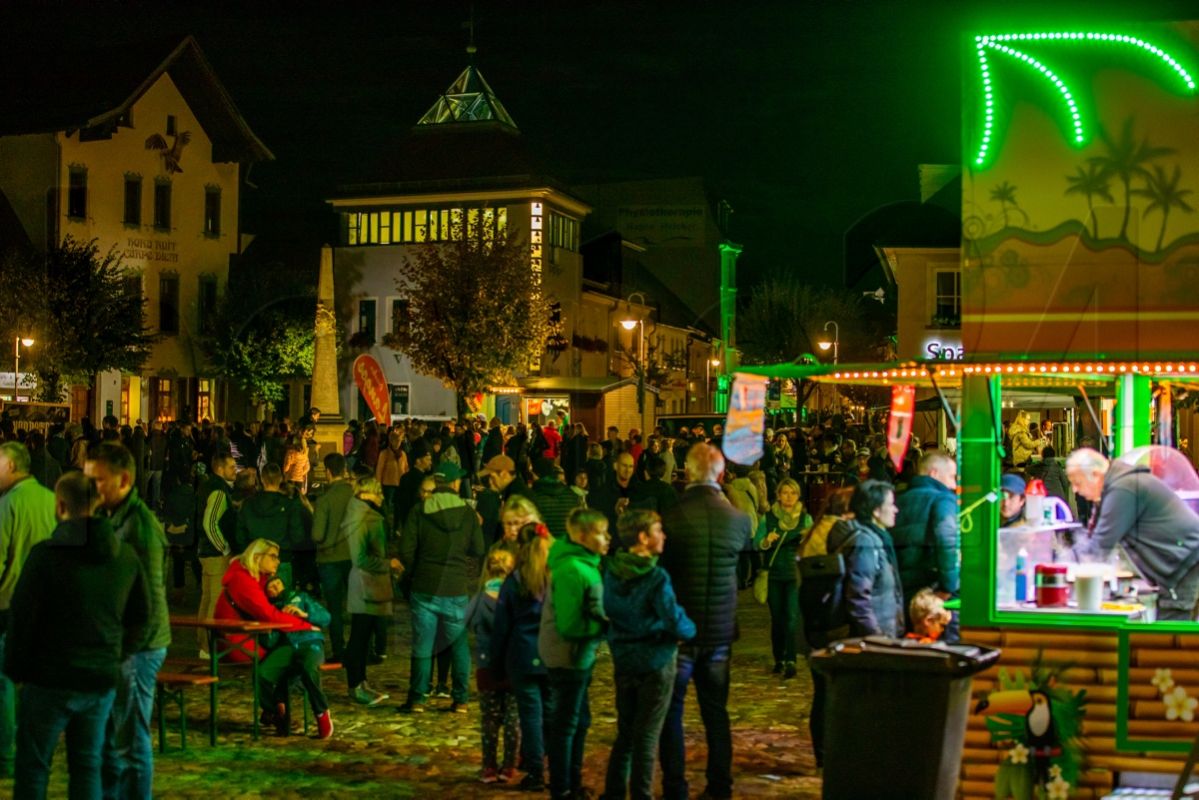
(172, 685)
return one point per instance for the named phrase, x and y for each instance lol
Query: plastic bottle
(1022, 576)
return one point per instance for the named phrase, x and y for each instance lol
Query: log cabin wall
(1095, 659)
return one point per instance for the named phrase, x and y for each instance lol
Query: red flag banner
(371, 381)
(899, 426)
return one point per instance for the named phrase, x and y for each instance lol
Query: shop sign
(945, 351)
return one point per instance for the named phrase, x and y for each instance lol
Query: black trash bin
(896, 716)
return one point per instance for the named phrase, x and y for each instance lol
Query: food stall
(1121, 688)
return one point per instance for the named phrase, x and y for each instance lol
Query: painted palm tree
(1005, 195)
(1126, 159)
(1164, 194)
(1091, 181)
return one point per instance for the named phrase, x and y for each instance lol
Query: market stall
(1118, 689)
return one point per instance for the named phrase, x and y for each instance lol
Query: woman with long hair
(518, 511)
(514, 654)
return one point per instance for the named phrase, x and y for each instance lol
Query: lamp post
(628, 324)
(711, 362)
(16, 357)
(825, 344)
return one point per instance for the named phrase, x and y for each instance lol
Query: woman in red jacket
(245, 598)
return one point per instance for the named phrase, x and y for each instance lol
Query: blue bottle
(1022, 576)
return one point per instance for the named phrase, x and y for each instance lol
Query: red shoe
(324, 725)
(507, 775)
(489, 775)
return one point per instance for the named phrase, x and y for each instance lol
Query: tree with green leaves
(1091, 181)
(1126, 158)
(263, 333)
(1164, 194)
(475, 315)
(85, 311)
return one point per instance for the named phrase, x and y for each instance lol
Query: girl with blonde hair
(496, 702)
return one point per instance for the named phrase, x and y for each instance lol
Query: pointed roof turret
(469, 99)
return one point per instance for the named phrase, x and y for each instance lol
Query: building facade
(156, 177)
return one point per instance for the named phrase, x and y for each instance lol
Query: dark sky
(804, 115)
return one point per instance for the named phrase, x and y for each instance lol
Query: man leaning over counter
(1157, 530)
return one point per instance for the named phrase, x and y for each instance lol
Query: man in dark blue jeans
(80, 599)
(705, 537)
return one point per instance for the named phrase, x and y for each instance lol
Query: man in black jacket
(706, 536)
(80, 602)
(553, 498)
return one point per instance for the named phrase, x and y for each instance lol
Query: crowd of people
(536, 543)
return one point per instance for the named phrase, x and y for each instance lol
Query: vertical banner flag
(746, 421)
(371, 381)
(899, 426)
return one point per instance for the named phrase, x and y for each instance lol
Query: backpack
(822, 593)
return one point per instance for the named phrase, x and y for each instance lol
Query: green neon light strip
(995, 42)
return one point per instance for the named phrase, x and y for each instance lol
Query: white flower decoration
(1163, 679)
(1057, 789)
(1055, 772)
(1179, 705)
(1018, 754)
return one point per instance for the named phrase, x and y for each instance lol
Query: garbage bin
(896, 716)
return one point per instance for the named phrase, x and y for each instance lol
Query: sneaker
(366, 698)
(459, 708)
(412, 708)
(324, 725)
(489, 775)
(441, 692)
(532, 782)
(789, 670)
(372, 690)
(507, 775)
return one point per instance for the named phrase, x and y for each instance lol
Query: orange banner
(371, 381)
(899, 426)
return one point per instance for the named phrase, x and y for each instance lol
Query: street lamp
(711, 362)
(628, 324)
(16, 357)
(824, 344)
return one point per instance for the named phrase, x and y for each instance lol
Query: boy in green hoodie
(572, 623)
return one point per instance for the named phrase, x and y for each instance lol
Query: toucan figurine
(1034, 705)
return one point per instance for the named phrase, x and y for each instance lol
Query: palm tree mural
(1091, 181)
(1005, 195)
(1164, 194)
(1126, 159)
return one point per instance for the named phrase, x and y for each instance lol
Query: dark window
(168, 304)
(77, 193)
(162, 205)
(399, 315)
(366, 317)
(399, 398)
(207, 303)
(133, 200)
(170, 124)
(132, 285)
(949, 295)
(212, 211)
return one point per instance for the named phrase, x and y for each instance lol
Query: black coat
(705, 537)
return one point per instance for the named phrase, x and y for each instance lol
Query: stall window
(399, 398)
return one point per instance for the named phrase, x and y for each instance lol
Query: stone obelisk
(331, 426)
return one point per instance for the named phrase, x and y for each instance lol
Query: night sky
(803, 115)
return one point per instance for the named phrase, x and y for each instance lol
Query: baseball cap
(1012, 483)
(498, 464)
(448, 471)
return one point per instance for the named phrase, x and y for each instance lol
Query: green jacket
(135, 524)
(572, 617)
(26, 518)
(328, 511)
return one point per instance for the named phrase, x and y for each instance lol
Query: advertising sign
(746, 421)
(899, 426)
(370, 380)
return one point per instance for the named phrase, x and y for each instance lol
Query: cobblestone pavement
(379, 753)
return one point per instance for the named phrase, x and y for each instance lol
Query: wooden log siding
(1095, 660)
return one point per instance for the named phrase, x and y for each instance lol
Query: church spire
(469, 98)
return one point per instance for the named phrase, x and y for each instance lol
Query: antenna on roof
(470, 25)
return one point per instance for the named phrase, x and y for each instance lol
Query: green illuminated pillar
(1134, 396)
(729, 359)
(978, 464)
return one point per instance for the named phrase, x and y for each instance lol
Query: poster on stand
(746, 421)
